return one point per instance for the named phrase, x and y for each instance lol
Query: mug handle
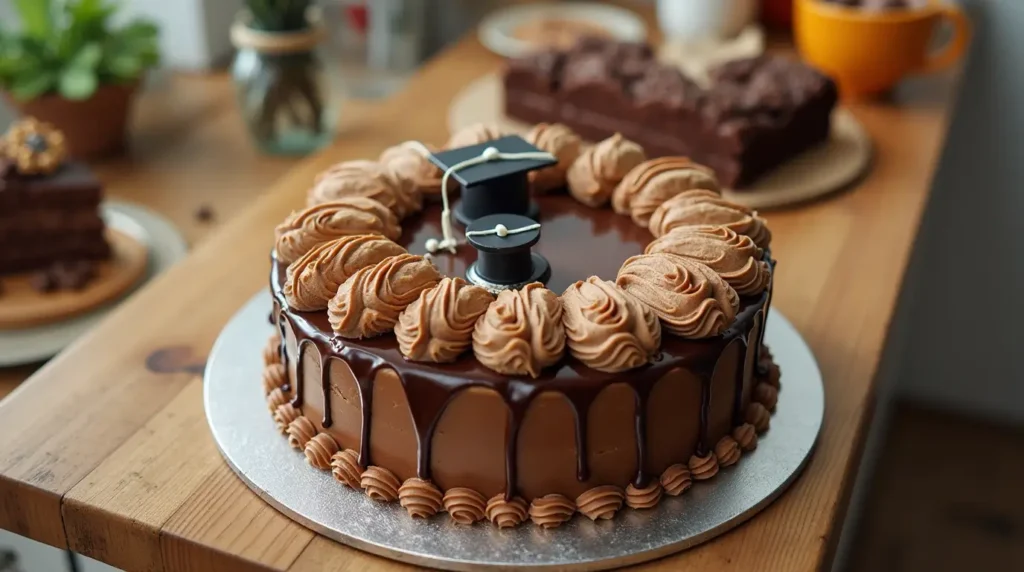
(957, 45)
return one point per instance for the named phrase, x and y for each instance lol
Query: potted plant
(279, 76)
(69, 66)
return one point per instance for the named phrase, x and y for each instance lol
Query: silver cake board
(246, 436)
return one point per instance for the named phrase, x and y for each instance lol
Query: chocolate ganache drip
(430, 387)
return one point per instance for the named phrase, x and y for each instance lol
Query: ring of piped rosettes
(34, 147)
(707, 253)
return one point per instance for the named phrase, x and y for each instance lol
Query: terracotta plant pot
(95, 128)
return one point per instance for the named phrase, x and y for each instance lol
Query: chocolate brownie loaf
(755, 114)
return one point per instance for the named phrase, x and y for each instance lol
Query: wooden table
(116, 462)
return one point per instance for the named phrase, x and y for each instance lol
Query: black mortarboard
(497, 186)
(505, 260)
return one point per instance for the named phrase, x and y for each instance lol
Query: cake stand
(246, 436)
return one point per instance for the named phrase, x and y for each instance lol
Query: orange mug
(868, 52)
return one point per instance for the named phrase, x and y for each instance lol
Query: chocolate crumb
(204, 213)
(73, 274)
(43, 282)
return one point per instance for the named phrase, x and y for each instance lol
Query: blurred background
(940, 487)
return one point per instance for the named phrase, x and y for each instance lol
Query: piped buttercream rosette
(438, 326)
(521, 333)
(369, 302)
(702, 207)
(599, 169)
(475, 134)
(655, 181)
(370, 179)
(408, 161)
(733, 256)
(608, 329)
(321, 223)
(561, 142)
(313, 279)
(691, 300)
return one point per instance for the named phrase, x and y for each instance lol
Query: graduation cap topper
(504, 259)
(493, 176)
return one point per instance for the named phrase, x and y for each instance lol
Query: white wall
(967, 283)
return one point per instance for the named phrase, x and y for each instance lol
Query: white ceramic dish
(693, 20)
(497, 31)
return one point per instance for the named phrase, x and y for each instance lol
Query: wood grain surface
(116, 461)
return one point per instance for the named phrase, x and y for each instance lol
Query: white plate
(496, 30)
(166, 246)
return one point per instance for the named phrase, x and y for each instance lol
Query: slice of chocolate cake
(49, 208)
(754, 115)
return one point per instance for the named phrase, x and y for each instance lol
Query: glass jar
(282, 88)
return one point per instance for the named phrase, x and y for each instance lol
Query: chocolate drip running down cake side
(626, 376)
(754, 115)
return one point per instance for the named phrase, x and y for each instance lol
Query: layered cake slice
(587, 360)
(49, 207)
(754, 115)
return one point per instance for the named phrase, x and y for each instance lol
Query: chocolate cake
(49, 207)
(754, 115)
(632, 369)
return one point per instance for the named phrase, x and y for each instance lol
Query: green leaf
(85, 22)
(125, 67)
(88, 57)
(36, 17)
(28, 87)
(140, 29)
(78, 83)
(87, 9)
(89, 17)
(12, 67)
(130, 51)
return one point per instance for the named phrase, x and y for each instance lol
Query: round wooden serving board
(22, 306)
(817, 172)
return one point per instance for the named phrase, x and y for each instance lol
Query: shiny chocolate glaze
(579, 242)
